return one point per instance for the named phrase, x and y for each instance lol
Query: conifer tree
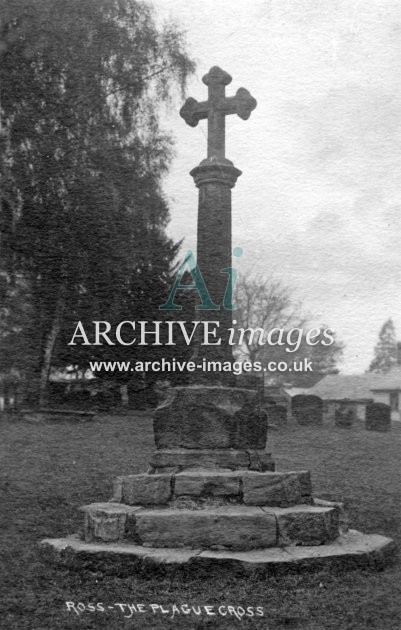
(385, 353)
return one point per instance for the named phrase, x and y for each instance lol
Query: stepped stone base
(212, 496)
(349, 550)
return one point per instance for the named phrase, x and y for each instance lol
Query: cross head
(216, 108)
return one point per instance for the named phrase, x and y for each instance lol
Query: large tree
(84, 152)
(385, 353)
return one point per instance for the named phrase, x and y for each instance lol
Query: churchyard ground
(50, 470)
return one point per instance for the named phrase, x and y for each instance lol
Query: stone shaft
(215, 178)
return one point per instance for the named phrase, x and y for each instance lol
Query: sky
(318, 205)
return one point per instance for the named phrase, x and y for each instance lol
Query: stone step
(228, 527)
(211, 528)
(248, 487)
(349, 551)
(178, 459)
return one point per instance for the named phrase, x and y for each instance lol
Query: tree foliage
(84, 155)
(385, 353)
(268, 304)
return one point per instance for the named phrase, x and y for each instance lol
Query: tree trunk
(49, 345)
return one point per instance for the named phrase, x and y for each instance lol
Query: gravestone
(276, 415)
(307, 409)
(40, 415)
(344, 415)
(378, 417)
(212, 494)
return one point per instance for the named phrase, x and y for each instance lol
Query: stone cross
(215, 176)
(216, 108)
(211, 494)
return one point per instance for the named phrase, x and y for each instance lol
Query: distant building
(387, 389)
(356, 391)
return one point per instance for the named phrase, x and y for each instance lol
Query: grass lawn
(50, 470)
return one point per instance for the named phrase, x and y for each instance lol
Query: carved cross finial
(216, 108)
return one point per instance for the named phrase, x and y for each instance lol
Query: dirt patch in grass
(49, 470)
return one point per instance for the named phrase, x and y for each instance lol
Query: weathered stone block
(261, 461)
(210, 417)
(202, 483)
(144, 489)
(306, 524)
(343, 520)
(305, 482)
(184, 459)
(216, 528)
(271, 488)
(109, 522)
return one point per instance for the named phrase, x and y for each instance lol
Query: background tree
(85, 154)
(385, 353)
(264, 303)
(324, 359)
(269, 304)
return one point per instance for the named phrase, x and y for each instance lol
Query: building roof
(295, 391)
(341, 386)
(390, 380)
(356, 386)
